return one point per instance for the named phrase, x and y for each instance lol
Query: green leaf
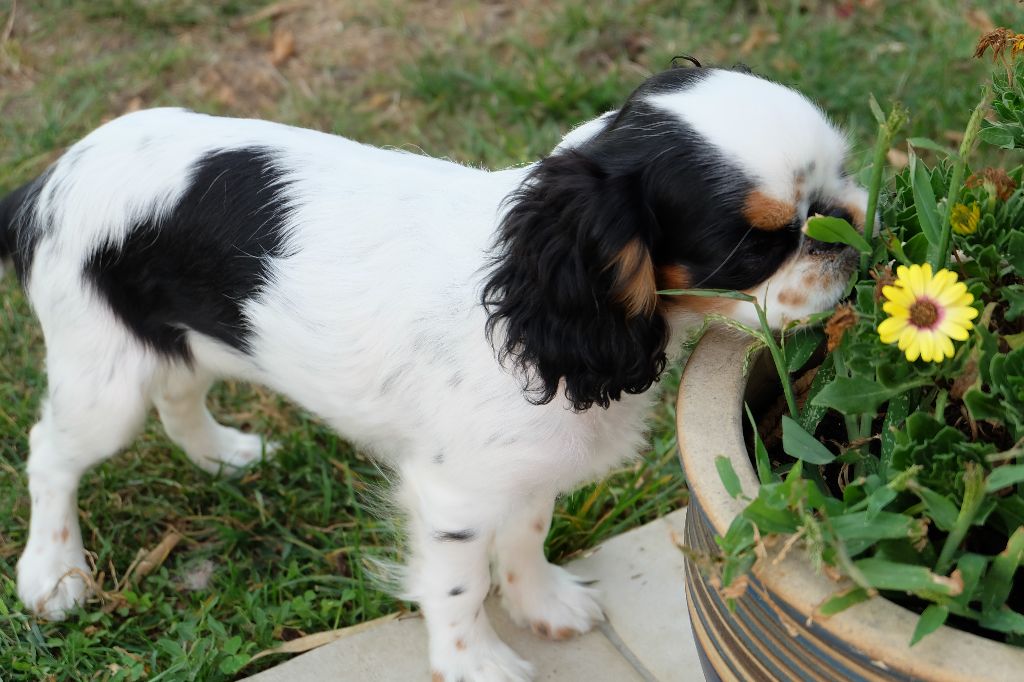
(842, 601)
(998, 136)
(971, 567)
(889, 575)
(916, 248)
(800, 346)
(802, 445)
(771, 520)
(884, 526)
(1014, 341)
(924, 202)
(999, 580)
(854, 395)
(1003, 620)
(1015, 251)
(983, 406)
(878, 500)
(895, 415)
(1014, 295)
(812, 414)
(834, 230)
(761, 460)
(931, 620)
(1004, 476)
(728, 475)
(927, 143)
(941, 509)
(876, 110)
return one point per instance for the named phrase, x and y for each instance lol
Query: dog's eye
(832, 211)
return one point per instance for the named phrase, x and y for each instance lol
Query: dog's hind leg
(180, 398)
(96, 403)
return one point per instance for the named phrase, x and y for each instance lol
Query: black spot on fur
(646, 180)
(196, 267)
(20, 226)
(455, 535)
(456, 591)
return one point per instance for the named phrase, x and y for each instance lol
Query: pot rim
(881, 629)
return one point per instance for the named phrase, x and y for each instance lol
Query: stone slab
(647, 637)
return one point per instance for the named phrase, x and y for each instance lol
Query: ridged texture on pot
(770, 635)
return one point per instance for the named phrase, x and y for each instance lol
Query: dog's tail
(16, 230)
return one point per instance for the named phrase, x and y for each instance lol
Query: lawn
(289, 548)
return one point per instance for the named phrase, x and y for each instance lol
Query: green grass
(290, 543)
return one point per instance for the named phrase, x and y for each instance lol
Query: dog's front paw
(485, 659)
(51, 583)
(552, 602)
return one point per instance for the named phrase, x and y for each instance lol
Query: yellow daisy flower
(964, 219)
(926, 312)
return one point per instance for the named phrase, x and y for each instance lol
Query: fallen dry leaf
(842, 319)
(154, 558)
(318, 639)
(283, 48)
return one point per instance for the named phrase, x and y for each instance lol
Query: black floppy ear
(571, 295)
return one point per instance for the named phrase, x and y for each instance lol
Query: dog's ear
(571, 296)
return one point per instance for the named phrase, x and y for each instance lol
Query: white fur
(374, 324)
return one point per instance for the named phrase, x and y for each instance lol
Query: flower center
(923, 313)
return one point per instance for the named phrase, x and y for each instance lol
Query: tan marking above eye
(767, 213)
(857, 213)
(635, 287)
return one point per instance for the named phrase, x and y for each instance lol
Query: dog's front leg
(451, 532)
(546, 598)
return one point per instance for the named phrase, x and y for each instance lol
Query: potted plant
(870, 524)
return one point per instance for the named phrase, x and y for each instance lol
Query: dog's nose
(816, 248)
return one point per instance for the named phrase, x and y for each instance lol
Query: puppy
(492, 337)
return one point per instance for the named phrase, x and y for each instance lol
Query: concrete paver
(647, 637)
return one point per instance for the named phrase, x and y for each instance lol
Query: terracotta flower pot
(771, 636)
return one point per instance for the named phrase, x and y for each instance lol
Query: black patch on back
(19, 227)
(195, 268)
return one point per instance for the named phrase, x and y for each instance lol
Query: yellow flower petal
(927, 345)
(960, 315)
(896, 310)
(906, 338)
(953, 330)
(951, 294)
(915, 281)
(914, 349)
(891, 328)
(898, 295)
(946, 349)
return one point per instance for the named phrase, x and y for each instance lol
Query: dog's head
(703, 179)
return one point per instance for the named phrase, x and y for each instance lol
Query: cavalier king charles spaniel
(494, 338)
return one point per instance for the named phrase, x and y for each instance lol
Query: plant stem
(779, 359)
(886, 132)
(974, 495)
(957, 178)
